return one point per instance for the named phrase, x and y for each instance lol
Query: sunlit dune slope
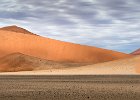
(137, 52)
(55, 50)
(20, 62)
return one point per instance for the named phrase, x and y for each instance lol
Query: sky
(109, 24)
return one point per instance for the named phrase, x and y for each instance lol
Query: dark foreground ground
(69, 87)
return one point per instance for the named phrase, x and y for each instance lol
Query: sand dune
(137, 52)
(21, 62)
(55, 50)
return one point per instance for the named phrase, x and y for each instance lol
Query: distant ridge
(137, 52)
(17, 29)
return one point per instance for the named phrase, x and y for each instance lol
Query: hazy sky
(110, 24)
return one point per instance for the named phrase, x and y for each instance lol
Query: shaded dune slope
(21, 62)
(137, 52)
(54, 50)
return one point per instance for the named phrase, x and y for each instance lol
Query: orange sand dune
(137, 52)
(20, 62)
(55, 50)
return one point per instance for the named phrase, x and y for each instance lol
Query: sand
(128, 66)
(123, 66)
(21, 62)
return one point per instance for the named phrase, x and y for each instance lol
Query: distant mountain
(137, 52)
(50, 49)
(17, 29)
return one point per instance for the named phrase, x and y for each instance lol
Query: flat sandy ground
(69, 87)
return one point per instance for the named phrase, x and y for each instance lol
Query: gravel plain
(73, 87)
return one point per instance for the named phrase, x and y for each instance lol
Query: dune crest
(17, 29)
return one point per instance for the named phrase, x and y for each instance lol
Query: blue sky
(110, 24)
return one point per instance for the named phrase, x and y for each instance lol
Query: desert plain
(69, 87)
